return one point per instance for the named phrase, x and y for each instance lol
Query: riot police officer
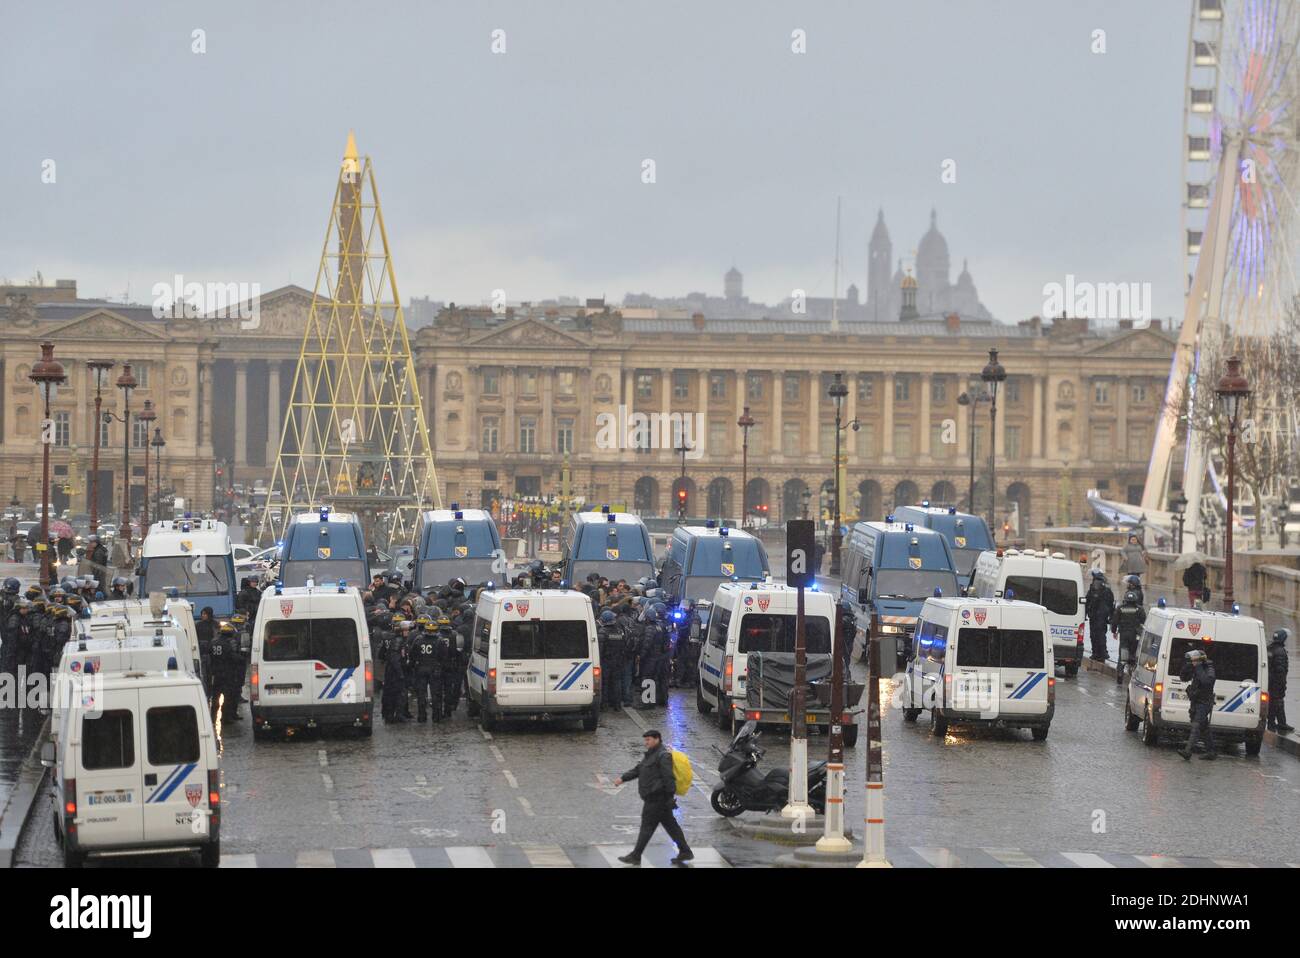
(1127, 621)
(1278, 663)
(8, 605)
(205, 629)
(453, 666)
(1099, 605)
(249, 598)
(20, 633)
(426, 658)
(121, 588)
(227, 673)
(1198, 672)
(611, 660)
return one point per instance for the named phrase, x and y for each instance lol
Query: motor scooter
(745, 789)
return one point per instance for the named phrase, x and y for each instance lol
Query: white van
(175, 617)
(192, 556)
(1236, 644)
(311, 661)
(981, 662)
(136, 770)
(759, 617)
(535, 656)
(1047, 579)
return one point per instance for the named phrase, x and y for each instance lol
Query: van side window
(482, 633)
(108, 741)
(1151, 643)
(718, 622)
(932, 641)
(172, 735)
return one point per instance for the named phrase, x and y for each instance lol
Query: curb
(771, 827)
(14, 816)
(1283, 743)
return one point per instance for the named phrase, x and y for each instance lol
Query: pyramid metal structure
(354, 436)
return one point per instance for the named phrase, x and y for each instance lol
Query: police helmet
(424, 622)
(1098, 574)
(1195, 656)
(74, 600)
(1131, 596)
(33, 591)
(38, 603)
(12, 585)
(398, 617)
(238, 618)
(61, 612)
(1281, 635)
(608, 616)
(443, 621)
(226, 628)
(58, 593)
(69, 584)
(23, 604)
(457, 583)
(1130, 579)
(119, 582)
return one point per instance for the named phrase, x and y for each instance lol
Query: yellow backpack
(682, 773)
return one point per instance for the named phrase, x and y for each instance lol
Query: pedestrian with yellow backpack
(661, 776)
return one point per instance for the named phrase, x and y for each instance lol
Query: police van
(888, 570)
(173, 616)
(612, 544)
(753, 617)
(1050, 580)
(967, 535)
(192, 556)
(701, 558)
(455, 542)
(536, 656)
(981, 662)
(311, 664)
(1237, 646)
(136, 765)
(323, 546)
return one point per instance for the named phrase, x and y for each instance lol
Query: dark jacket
(1200, 690)
(1127, 620)
(1099, 603)
(655, 781)
(1278, 664)
(1194, 577)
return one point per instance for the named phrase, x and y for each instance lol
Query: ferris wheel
(1240, 220)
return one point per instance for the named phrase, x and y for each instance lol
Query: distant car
(259, 563)
(403, 562)
(29, 528)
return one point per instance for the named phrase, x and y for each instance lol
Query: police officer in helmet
(426, 658)
(227, 672)
(1198, 672)
(1278, 664)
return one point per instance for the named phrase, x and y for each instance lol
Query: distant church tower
(908, 286)
(733, 284)
(879, 253)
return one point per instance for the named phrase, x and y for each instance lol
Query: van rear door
(1024, 661)
(570, 657)
(972, 677)
(521, 664)
(107, 768)
(289, 677)
(171, 762)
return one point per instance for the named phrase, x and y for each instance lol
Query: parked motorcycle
(745, 789)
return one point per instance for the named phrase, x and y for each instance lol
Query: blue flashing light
(1236, 608)
(187, 516)
(609, 517)
(723, 531)
(1161, 602)
(89, 667)
(171, 664)
(279, 587)
(604, 509)
(343, 585)
(324, 513)
(889, 518)
(952, 510)
(709, 523)
(455, 506)
(1010, 595)
(491, 584)
(564, 583)
(907, 526)
(813, 588)
(735, 578)
(925, 503)
(459, 516)
(185, 527)
(938, 592)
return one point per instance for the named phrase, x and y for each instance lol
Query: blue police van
(324, 546)
(967, 535)
(455, 542)
(615, 545)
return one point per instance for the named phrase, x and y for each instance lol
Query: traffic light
(681, 501)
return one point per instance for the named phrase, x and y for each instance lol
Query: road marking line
(315, 858)
(392, 858)
(547, 856)
(334, 813)
(238, 861)
(328, 782)
(1159, 861)
(938, 857)
(1012, 857)
(466, 857)
(638, 720)
(708, 857)
(421, 780)
(611, 852)
(486, 734)
(1087, 860)
(497, 752)
(527, 806)
(514, 783)
(324, 758)
(1228, 863)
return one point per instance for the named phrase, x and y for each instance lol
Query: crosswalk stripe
(1159, 861)
(1013, 857)
(238, 861)
(315, 858)
(1087, 860)
(709, 858)
(938, 857)
(392, 858)
(1229, 863)
(469, 857)
(547, 856)
(611, 852)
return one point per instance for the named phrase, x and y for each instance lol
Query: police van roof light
(709, 523)
(279, 587)
(324, 513)
(609, 517)
(1161, 602)
(907, 526)
(1236, 608)
(925, 503)
(723, 531)
(343, 585)
(455, 506)
(459, 516)
(938, 592)
(188, 516)
(952, 510)
(604, 508)
(889, 518)
(185, 527)
(171, 664)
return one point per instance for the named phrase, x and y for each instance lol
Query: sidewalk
(16, 804)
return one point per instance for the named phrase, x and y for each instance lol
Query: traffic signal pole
(833, 839)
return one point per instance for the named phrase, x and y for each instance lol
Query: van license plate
(283, 689)
(808, 719)
(521, 678)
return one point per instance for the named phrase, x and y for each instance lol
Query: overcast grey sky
(523, 171)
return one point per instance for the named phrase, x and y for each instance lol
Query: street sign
(800, 548)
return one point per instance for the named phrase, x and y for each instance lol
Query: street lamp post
(993, 375)
(99, 369)
(146, 416)
(681, 487)
(47, 373)
(1232, 390)
(806, 497)
(745, 422)
(125, 382)
(157, 442)
(1178, 505)
(1283, 511)
(837, 391)
(966, 399)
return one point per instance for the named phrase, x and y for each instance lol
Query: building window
(62, 428)
(564, 436)
(790, 389)
(754, 387)
(491, 434)
(566, 382)
(981, 443)
(1100, 450)
(902, 439)
(1139, 445)
(938, 391)
(717, 386)
(528, 434)
(938, 447)
(718, 432)
(1139, 393)
(866, 388)
(866, 440)
(1101, 392)
(790, 438)
(528, 382)
(1011, 440)
(1013, 390)
(141, 373)
(681, 384)
(826, 439)
(902, 388)
(139, 434)
(491, 382)
(645, 387)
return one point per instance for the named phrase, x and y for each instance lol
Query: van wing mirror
(47, 755)
(1083, 600)
(997, 593)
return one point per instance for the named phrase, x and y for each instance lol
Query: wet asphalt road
(1090, 787)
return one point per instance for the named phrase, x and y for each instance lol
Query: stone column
(1121, 419)
(925, 415)
(778, 394)
(850, 441)
(1002, 423)
(509, 424)
(887, 420)
(1036, 446)
(700, 425)
(203, 435)
(814, 413)
(546, 428)
(274, 420)
(241, 414)
(664, 435)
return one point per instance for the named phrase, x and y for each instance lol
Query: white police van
(981, 662)
(174, 616)
(760, 617)
(192, 556)
(311, 664)
(136, 767)
(1047, 579)
(1237, 646)
(536, 656)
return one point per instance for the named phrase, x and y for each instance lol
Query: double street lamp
(1178, 506)
(993, 375)
(157, 442)
(125, 382)
(146, 416)
(1233, 390)
(837, 391)
(969, 399)
(46, 374)
(99, 369)
(745, 422)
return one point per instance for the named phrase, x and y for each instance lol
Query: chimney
(697, 320)
(952, 322)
